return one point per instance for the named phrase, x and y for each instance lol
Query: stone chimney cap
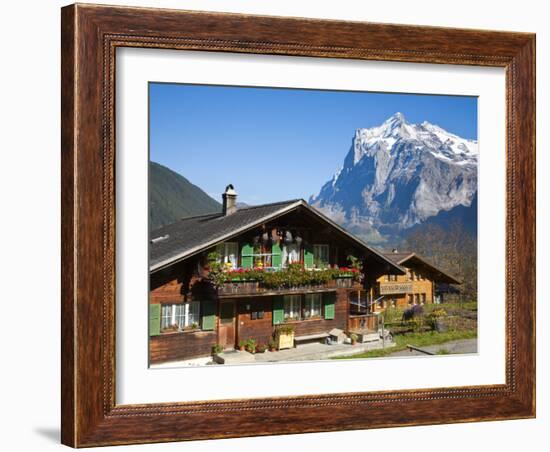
(229, 197)
(230, 190)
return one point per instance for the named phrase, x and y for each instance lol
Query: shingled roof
(189, 236)
(402, 257)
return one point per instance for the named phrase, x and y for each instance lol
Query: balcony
(289, 280)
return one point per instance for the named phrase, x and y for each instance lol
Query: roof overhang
(204, 246)
(283, 211)
(446, 278)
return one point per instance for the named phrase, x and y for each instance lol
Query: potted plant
(285, 336)
(261, 348)
(251, 346)
(437, 320)
(353, 338)
(272, 345)
(242, 346)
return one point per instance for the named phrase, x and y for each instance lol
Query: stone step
(233, 357)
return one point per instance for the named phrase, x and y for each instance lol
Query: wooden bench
(310, 337)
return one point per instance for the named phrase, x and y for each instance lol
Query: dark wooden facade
(245, 311)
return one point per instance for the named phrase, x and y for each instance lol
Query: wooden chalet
(422, 283)
(282, 264)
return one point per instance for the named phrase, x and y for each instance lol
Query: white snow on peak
(441, 144)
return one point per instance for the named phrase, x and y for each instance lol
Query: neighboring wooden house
(298, 259)
(422, 283)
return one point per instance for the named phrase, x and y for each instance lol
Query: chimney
(229, 200)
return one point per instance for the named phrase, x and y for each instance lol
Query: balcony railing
(255, 287)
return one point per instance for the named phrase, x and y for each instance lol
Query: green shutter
(329, 299)
(208, 313)
(308, 257)
(246, 256)
(277, 257)
(278, 310)
(154, 319)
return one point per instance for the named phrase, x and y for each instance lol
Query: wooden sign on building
(394, 288)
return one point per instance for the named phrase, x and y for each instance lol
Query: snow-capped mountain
(398, 175)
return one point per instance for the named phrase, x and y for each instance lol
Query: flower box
(344, 281)
(238, 287)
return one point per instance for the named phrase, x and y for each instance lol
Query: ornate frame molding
(90, 37)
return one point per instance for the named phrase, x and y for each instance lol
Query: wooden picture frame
(90, 36)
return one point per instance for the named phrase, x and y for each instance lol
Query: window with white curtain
(180, 314)
(292, 306)
(312, 305)
(166, 316)
(291, 254)
(229, 253)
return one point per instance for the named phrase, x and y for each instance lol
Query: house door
(227, 324)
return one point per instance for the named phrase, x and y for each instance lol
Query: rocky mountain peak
(397, 175)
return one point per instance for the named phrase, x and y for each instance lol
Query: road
(452, 347)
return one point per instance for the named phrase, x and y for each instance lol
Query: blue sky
(277, 144)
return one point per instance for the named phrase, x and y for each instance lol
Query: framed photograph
(282, 225)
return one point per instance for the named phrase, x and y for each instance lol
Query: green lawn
(416, 339)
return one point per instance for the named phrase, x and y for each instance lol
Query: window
(320, 256)
(392, 277)
(166, 316)
(416, 298)
(409, 274)
(259, 256)
(386, 277)
(410, 298)
(312, 305)
(423, 298)
(229, 252)
(292, 307)
(291, 254)
(181, 315)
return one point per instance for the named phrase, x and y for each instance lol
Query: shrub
(217, 349)
(414, 317)
(413, 311)
(392, 315)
